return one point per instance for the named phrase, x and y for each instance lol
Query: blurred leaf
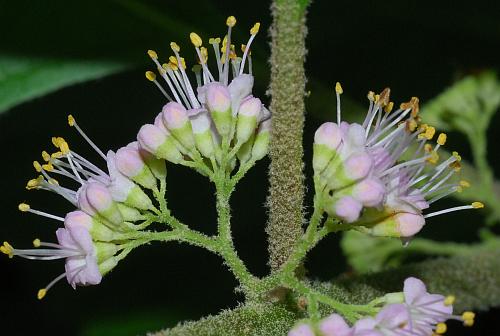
(467, 106)
(389, 252)
(23, 78)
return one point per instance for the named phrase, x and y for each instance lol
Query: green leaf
(25, 78)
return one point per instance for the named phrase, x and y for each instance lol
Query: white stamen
(441, 212)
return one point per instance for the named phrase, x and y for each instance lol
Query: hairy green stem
(287, 86)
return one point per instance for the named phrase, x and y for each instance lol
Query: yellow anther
(371, 96)
(411, 125)
(477, 205)
(457, 156)
(175, 47)
(48, 167)
(441, 139)
(37, 242)
(152, 54)
(204, 54)
(440, 328)
(56, 155)
(63, 146)
(45, 156)
(38, 166)
(449, 300)
(231, 21)
(338, 88)
(388, 108)
(195, 39)
(71, 120)
(32, 184)
(384, 97)
(214, 40)
(428, 148)
(172, 59)
(7, 249)
(377, 97)
(429, 132)
(413, 104)
(468, 315)
(434, 157)
(422, 127)
(55, 141)
(255, 28)
(232, 52)
(41, 293)
(23, 207)
(464, 184)
(151, 76)
(183, 62)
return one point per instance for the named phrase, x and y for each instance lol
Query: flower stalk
(287, 87)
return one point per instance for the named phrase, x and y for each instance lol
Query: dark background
(415, 47)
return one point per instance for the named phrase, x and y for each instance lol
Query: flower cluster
(412, 312)
(210, 131)
(380, 176)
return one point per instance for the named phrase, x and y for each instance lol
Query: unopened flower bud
(248, 115)
(402, 224)
(261, 143)
(97, 230)
(239, 88)
(100, 200)
(201, 124)
(153, 140)
(156, 165)
(177, 122)
(346, 208)
(218, 102)
(124, 190)
(129, 162)
(326, 141)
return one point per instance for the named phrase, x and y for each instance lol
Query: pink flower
(364, 166)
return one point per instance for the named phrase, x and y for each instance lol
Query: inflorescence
(378, 177)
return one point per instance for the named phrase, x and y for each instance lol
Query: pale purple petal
(413, 289)
(334, 325)
(393, 316)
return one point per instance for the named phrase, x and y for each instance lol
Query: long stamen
(72, 123)
(180, 64)
(230, 22)
(42, 292)
(474, 205)
(338, 92)
(215, 44)
(26, 208)
(253, 32)
(151, 76)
